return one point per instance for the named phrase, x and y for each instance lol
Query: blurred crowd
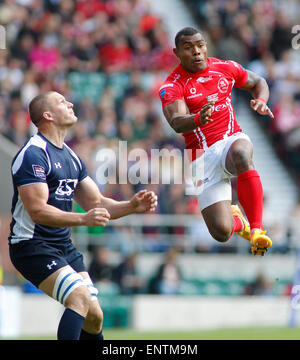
(132, 274)
(167, 277)
(109, 58)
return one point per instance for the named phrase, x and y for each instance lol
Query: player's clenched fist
(205, 113)
(96, 217)
(144, 201)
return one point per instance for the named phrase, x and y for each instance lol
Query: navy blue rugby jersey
(41, 161)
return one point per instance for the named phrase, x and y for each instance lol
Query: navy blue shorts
(37, 259)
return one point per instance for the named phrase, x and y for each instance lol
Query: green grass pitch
(257, 333)
(222, 334)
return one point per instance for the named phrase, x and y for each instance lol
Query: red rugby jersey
(214, 83)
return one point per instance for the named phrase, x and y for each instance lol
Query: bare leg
(94, 319)
(78, 300)
(218, 219)
(239, 157)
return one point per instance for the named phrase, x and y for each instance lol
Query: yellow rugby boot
(260, 242)
(245, 233)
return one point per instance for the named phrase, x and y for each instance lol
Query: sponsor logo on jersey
(66, 187)
(193, 96)
(193, 91)
(162, 93)
(203, 79)
(220, 107)
(223, 85)
(213, 97)
(39, 172)
(54, 263)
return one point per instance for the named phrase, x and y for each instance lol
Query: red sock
(250, 196)
(237, 225)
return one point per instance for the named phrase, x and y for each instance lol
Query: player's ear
(47, 115)
(175, 51)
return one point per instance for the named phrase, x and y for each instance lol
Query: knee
(95, 320)
(79, 300)
(241, 159)
(221, 232)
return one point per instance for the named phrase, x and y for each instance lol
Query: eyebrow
(192, 42)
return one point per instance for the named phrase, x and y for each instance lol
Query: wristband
(197, 119)
(262, 100)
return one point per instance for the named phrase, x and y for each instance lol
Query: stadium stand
(106, 56)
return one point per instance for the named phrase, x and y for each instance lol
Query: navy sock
(70, 325)
(87, 336)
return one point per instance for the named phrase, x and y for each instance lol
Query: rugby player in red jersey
(196, 100)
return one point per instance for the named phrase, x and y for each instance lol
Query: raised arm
(35, 197)
(259, 89)
(181, 121)
(88, 196)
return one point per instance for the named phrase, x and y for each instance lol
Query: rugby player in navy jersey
(47, 176)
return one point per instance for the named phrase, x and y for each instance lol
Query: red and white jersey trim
(215, 84)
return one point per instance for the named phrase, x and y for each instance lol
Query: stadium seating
(81, 74)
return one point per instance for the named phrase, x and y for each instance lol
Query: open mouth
(198, 61)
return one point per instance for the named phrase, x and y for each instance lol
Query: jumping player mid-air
(196, 100)
(47, 175)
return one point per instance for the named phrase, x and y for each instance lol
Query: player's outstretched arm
(181, 121)
(88, 196)
(259, 89)
(35, 197)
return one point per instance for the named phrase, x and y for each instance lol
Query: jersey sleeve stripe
(74, 156)
(23, 228)
(34, 141)
(166, 85)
